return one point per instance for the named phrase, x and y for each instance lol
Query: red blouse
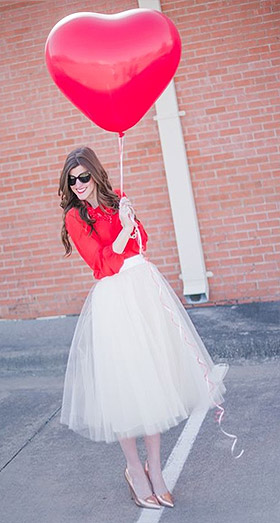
(96, 248)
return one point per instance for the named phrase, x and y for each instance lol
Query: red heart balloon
(113, 67)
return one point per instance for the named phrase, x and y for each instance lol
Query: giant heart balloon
(113, 67)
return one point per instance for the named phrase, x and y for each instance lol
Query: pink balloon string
(132, 213)
(210, 385)
(121, 143)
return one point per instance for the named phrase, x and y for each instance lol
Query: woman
(136, 365)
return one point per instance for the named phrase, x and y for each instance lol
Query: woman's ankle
(154, 465)
(134, 466)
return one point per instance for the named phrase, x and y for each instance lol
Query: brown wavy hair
(105, 195)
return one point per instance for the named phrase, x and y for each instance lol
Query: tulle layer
(134, 365)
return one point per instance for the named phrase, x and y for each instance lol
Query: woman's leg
(135, 468)
(153, 450)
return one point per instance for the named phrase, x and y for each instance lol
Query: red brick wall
(228, 85)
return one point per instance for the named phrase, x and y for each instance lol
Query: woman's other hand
(126, 213)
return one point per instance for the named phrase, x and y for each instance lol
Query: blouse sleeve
(101, 259)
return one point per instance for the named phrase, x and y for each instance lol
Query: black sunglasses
(83, 177)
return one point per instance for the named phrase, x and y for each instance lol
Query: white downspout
(193, 271)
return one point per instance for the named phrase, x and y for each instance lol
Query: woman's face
(82, 190)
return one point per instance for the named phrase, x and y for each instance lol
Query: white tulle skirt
(136, 365)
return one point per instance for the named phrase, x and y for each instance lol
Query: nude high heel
(165, 499)
(149, 502)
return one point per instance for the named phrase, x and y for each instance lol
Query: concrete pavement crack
(31, 438)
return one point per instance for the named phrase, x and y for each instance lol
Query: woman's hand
(126, 213)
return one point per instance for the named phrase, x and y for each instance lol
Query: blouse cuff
(114, 259)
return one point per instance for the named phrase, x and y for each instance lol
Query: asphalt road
(49, 474)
